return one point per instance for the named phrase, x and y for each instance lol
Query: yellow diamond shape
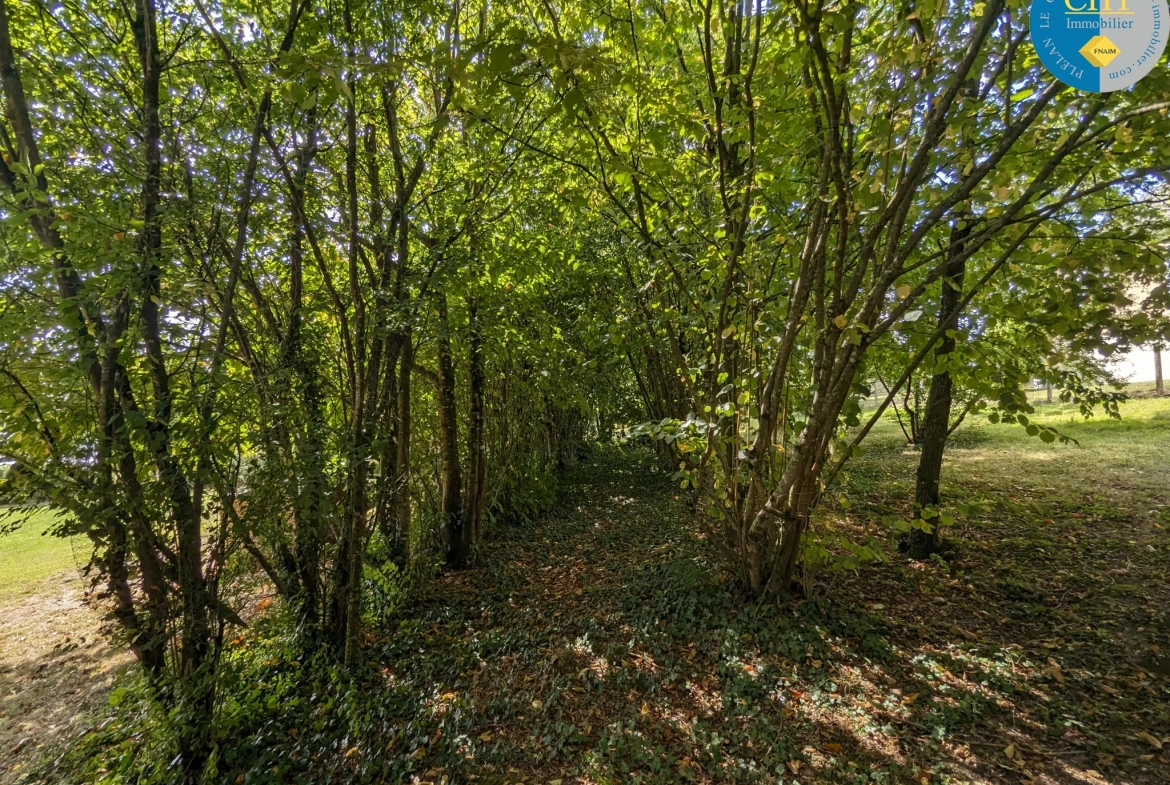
(1100, 51)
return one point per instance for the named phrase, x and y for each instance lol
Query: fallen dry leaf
(1154, 741)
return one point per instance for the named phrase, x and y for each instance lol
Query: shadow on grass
(46, 696)
(599, 646)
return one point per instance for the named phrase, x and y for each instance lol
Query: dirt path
(55, 670)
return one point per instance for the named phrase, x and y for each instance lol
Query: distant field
(1125, 457)
(1142, 412)
(28, 555)
(1137, 389)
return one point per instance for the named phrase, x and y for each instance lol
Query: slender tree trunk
(310, 504)
(477, 463)
(349, 580)
(402, 453)
(936, 421)
(387, 458)
(1158, 388)
(195, 684)
(451, 505)
(304, 394)
(346, 610)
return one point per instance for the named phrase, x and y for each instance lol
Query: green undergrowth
(596, 642)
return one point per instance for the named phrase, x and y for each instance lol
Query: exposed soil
(56, 667)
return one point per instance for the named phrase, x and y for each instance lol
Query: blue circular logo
(1099, 45)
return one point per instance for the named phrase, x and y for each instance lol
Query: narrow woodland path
(571, 655)
(597, 646)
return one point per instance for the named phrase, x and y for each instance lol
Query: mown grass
(29, 554)
(1127, 461)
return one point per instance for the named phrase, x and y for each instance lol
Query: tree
(1022, 327)
(1158, 389)
(785, 173)
(230, 241)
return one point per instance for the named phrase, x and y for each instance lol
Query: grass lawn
(29, 555)
(1124, 463)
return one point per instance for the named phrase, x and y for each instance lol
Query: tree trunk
(344, 609)
(1158, 388)
(402, 454)
(383, 504)
(309, 510)
(477, 460)
(195, 683)
(936, 421)
(451, 506)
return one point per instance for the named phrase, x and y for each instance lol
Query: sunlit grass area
(30, 554)
(1124, 459)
